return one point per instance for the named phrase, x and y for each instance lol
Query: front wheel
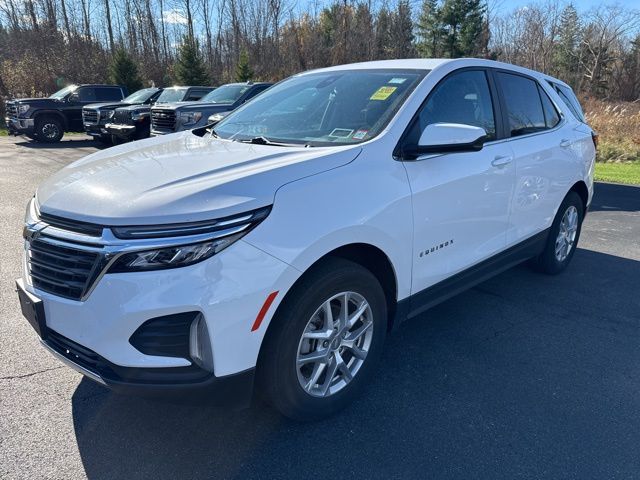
(563, 236)
(324, 343)
(49, 130)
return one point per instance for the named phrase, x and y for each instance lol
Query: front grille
(90, 116)
(62, 270)
(12, 110)
(162, 119)
(85, 228)
(122, 117)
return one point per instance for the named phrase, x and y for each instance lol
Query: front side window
(60, 94)
(106, 94)
(342, 107)
(462, 97)
(524, 107)
(87, 95)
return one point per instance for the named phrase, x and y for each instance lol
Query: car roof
(434, 63)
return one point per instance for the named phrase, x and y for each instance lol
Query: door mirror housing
(449, 137)
(74, 97)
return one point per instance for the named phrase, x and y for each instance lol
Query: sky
(503, 6)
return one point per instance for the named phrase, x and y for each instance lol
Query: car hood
(109, 105)
(36, 102)
(180, 178)
(205, 107)
(136, 107)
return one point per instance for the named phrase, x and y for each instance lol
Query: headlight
(139, 114)
(190, 117)
(23, 108)
(171, 257)
(219, 235)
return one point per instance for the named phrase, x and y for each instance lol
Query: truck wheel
(117, 140)
(322, 347)
(49, 129)
(104, 139)
(563, 237)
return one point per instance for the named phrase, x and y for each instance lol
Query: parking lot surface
(524, 376)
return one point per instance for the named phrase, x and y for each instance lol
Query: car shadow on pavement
(525, 375)
(64, 143)
(614, 197)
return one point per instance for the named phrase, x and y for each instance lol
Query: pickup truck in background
(47, 119)
(96, 115)
(132, 122)
(180, 116)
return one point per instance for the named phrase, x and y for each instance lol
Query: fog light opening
(199, 344)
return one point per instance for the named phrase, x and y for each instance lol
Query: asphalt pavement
(524, 376)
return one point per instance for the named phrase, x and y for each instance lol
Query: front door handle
(501, 160)
(564, 143)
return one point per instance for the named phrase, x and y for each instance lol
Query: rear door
(541, 142)
(461, 199)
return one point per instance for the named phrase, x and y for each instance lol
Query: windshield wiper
(261, 140)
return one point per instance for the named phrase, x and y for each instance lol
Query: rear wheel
(563, 236)
(324, 343)
(49, 129)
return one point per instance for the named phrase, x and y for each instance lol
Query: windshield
(326, 108)
(225, 94)
(60, 94)
(171, 95)
(141, 96)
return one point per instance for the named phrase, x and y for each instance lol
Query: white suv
(280, 249)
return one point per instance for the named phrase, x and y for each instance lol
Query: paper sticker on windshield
(360, 134)
(397, 80)
(341, 132)
(383, 93)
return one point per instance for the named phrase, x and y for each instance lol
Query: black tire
(548, 262)
(49, 129)
(278, 374)
(104, 139)
(115, 140)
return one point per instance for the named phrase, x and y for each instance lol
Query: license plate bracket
(32, 309)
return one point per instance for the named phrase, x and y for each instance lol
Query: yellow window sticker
(383, 93)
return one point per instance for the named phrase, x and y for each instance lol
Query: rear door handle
(564, 143)
(501, 160)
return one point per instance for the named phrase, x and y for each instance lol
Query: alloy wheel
(334, 344)
(50, 130)
(567, 233)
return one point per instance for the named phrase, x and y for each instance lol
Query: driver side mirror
(449, 137)
(74, 97)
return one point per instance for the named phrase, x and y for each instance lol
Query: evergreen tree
(123, 70)
(382, 47)
(402, 31)
(567, 49)
(430, 30)
(464, 24)
(243, 70)
(190, 68)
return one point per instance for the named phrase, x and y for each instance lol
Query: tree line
(45, 44)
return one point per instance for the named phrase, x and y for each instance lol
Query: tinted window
(524, 107)
(569, 99)
(461, 98)
(551, 116)
(107, 94)
(196, 95)
(87, 95)
(256, 91)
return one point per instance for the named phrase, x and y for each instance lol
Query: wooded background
(46, 44)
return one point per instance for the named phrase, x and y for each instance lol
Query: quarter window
(551, 116)
(524, 107)
(464, 98)
(569, 99)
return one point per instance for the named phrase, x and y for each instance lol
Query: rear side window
(569, 99)
(551, 116)
(462, 97)
(108, 94)
(524, 107)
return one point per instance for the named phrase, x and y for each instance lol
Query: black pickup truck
(133, 122)
(97, 115)
(47, 119)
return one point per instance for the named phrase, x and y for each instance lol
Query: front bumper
(229, 289)
(20, 126)
(95, 129)
(121, 131)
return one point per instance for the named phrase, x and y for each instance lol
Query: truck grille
(90, 116)
(12, 110)
(62, 270)
(122, 117)
(163, 120)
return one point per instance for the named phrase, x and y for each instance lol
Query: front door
(460, 200)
